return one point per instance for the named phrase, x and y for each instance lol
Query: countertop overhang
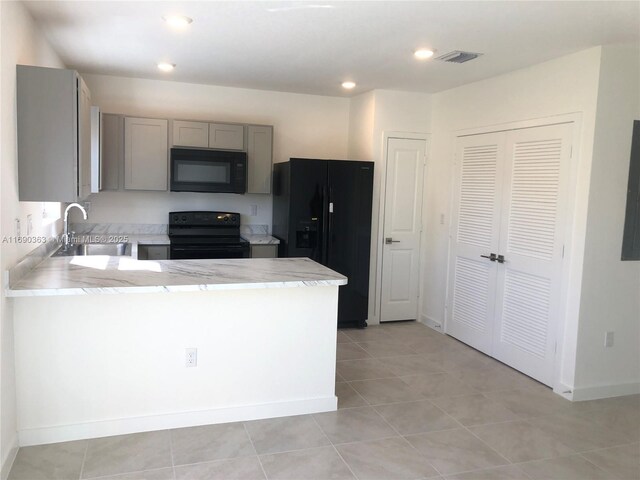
(91, 275)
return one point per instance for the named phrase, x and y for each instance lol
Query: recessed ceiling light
(348, 85)
(177, 21)
(423, 53)
(166, 67)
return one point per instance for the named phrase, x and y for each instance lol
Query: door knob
(389, 241)
(491, 256)
(500, 259)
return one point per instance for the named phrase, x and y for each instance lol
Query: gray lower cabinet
(153, 252)
(54, 135)
(259, 158)
(264, 251)
(145, 154)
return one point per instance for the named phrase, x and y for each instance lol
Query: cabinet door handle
(491, 256)
(500, 259)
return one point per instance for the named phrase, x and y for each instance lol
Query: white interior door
(475, 236)
(402, 229)
(531, 241)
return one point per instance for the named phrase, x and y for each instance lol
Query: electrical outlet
(191, 357)
(608, 339)
(29, 224)
(18, 233)
(254, 210)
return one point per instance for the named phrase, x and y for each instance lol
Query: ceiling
(312, 47)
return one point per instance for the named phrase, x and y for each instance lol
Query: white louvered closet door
(476, 217)
(531, 241)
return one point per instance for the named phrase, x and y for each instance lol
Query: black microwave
(206, 170)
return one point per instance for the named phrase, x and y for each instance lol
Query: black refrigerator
(322, 210)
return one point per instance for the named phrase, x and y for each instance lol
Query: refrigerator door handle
(324, 254)
(329, 222)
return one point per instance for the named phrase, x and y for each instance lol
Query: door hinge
(562, 251)
(571, 152)
(555, 347)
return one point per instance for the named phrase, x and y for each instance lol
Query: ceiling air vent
(458, 57)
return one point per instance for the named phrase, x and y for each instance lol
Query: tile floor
(413, 404)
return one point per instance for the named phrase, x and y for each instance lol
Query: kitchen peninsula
(101, 343)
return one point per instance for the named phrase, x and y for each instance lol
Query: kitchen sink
(112, 249)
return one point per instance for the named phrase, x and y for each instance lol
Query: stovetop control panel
(208, 219)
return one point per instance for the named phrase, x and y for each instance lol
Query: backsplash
(254, 229)
(146, 229)
(26, 264)
(114, 228)
(137, 208)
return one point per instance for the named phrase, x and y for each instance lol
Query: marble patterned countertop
(260, 239)
(108, 275)
(38, 274)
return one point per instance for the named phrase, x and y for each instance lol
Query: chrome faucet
(65, 236)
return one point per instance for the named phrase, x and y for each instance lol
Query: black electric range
(195, 235)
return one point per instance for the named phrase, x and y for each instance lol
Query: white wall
(562, 86)
(304, 126)
(20, 43)
(371, 115)
(361, 121)
(610, 287)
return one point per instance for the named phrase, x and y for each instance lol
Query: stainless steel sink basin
(112, 249)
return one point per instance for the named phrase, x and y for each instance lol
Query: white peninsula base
(98, 365)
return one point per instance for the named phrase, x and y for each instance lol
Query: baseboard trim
(605, 391)
(7, 462)
(431, 323)
(81, 431)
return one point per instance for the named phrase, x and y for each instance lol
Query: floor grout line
(84, 459)
(408, 442)
(592, 463)
(334, 447)
(345, 462)
(509, 462)
(173, 463)
(246, 430)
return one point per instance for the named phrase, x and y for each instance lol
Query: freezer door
(308, 185)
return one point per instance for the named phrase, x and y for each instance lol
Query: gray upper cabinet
(190, 134)
(259, 158)
(112, 152)
(226, 137)
(54, 135)
(145, 154)
(84, 138)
